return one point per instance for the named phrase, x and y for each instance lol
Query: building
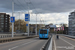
(71, 29)
(32, 27)
(65, 30)
(4, 22)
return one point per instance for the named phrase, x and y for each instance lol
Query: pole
(28, 28)
(28, 21)
(36, 24)
(19, 22)
(12, 15)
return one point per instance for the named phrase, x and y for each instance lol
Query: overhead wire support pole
(36, 24)
(12, 15)
(19, 22)
(28, 21)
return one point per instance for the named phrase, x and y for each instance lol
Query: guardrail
(15, 38)
(15, 35)
(9, 35)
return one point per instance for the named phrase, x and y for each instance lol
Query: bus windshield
(43, 31)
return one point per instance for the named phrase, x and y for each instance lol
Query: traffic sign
(12, 19)
(27, 17)
(26, 24)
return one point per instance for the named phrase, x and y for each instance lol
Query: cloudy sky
(48, 11)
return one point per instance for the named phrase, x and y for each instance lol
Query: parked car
(24, 34)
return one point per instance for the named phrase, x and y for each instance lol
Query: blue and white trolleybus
(43, 33)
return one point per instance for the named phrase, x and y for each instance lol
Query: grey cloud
(41, 6)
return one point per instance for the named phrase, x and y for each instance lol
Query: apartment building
(71, 29)
(4, 22)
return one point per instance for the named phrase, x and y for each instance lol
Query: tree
(20, 25)
(62, 24)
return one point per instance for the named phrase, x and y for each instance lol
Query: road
(64, 43)
(25, 44)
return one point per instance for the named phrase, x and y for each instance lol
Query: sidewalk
(63, 43)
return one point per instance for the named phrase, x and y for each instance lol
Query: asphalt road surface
(25, 44)
(64, 43)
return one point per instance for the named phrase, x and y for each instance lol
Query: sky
(46, 11)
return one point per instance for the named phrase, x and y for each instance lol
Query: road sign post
(27, 18)
(12, 20)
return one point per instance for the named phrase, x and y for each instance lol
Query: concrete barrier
(14, 38)
(46, 45)
(50, 46)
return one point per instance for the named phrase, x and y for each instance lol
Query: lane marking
(54, 43)
(21, 45)
(67, 42)
(66, 47)
(69, 38)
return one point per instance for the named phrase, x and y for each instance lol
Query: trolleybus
(43, 33)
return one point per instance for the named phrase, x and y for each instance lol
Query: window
(2, 18)
(2, 15)
(2, 23)
(6, 21)
(43, 31)
(2, 26)
(5, 26)
(6, 18)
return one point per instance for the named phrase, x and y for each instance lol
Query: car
(14, 32)
(24, 34)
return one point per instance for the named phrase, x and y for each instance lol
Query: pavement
(25, 44)
(64, 43)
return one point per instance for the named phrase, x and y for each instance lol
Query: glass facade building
(71, 29)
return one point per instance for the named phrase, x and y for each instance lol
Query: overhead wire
(33, 7)
(21, 4)
(21, 7)
(36, 10)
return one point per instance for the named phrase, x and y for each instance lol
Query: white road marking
(54, 44)
(21, 45)
(67, 42)
(66, 47)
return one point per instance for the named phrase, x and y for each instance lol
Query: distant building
(4, 22)
(33, 27)
(65, 30)
(71, 29)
